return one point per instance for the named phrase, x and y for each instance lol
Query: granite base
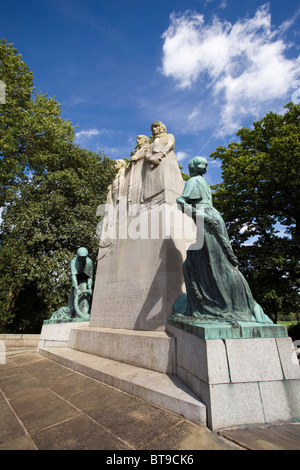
(56, 333)
(241, 380)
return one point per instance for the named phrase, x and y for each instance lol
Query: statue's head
(158, 128)
(198, 166)
(142, 140)
(82, 252)
(119, 164)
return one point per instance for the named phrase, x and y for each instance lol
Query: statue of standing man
(162, 145)
(135, 169)
(163, 171)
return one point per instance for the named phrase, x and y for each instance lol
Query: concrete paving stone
(187, 436)
(95, 395)
(79, 433)
(19, 384)
(41, 408)
(101, 417)
(128, 417)
(70, 384)
(20, 443)
(277, 437)
(8, 365)
(98, 395)
(10, 426)
(24, 356)
(45, 371)
(7, 369)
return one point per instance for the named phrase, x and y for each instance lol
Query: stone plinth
(154, 350)
(56, 333)
(242, 380)
(19, 340)
(137, 283)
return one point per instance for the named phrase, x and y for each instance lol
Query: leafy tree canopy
(50, 190)
(260, 189)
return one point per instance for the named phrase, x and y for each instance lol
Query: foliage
(50, 190)
(260, 189)
(294, 331)
(185, 177)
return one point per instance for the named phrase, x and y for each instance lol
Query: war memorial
(170, 318)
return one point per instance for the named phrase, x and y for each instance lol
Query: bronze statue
(79, 305)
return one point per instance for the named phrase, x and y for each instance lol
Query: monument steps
(167, 391)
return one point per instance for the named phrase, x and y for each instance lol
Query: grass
(287, 323)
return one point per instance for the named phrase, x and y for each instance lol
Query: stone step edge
(112, 331)
(158, 388)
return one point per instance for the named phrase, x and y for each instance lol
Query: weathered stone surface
(166, 391)
(136, 284)
(253, 360)
(289, 361)
(154, 350)
(233, 405)
(241, 381)
(203, 359)
(143, 241)
(281, 400)
(58, 334)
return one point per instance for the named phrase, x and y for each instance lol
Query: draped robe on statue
(216, 289)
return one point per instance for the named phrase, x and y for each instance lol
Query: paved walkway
(46, 406)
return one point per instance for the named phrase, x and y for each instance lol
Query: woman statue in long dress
(216, 289)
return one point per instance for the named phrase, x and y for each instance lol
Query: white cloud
(86, 134)
(78, 99)
(215, 163)
(243, 64)
(181, 156)
(223, 4)
(194, 114)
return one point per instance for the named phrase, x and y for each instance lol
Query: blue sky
(203, 67)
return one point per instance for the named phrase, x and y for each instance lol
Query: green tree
(18, 80)
(260, 189)
(50, 190)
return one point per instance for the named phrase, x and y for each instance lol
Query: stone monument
(140, 256)
(191, 339)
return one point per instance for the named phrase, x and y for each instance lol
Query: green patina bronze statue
(216, 291)
(81, 290)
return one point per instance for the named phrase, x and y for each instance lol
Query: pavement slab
(277, 437)
(47, 406)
